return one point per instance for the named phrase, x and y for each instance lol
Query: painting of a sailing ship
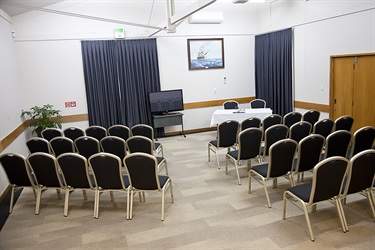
(206, 53)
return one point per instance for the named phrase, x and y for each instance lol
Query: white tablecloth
(221, 115)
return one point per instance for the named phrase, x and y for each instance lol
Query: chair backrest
(249, 143)
(140, 144)
(143, 130)
(299, 131)
(271, 120)
(328, 176)
(337, 143)
(87, 146)
(121, 131)
(107, 171)
(74, 170)
(274, 134)
(311, 116)
(231, 104)
(323, 127)
(257, 103)
(309, 152)
(15, 168)
(227, 133)
(292, 118)
(73, 133)
(142, 170)
(98, 132)
(252, 122)
(37, 144)
(361, 172)
(44, 167)
(114, 145)
(363, 139)
(61, 145)
(50, 133)
(343, 123)
(281, 157)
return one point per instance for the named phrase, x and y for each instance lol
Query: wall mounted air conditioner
(206, 17)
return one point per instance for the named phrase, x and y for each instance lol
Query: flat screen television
(163, 102)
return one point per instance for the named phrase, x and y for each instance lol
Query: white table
(221, 115)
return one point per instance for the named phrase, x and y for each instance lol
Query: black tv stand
(169, 119)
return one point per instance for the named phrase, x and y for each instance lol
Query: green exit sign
(120, 33)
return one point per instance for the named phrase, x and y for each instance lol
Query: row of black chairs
(99, 132)
(254, 104)
(102, 172)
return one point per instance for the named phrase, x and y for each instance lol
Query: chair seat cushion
(162, 180)
(302, 191)
(159, 159)
(261, 169)
(234, 154)
(126, 181)
(157, 145)
(214, 143)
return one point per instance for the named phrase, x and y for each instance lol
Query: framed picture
(206, 53)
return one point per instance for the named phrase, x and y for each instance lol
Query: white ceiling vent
(206, 17)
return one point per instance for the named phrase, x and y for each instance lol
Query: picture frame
(206, 53)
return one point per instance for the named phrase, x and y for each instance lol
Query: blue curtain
(118, 77)
(273, 70)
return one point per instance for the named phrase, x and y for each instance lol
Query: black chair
(311, 116)
(147, 131)
(73, 133)
(327, 182)
(257, 103)
(108, 176)
(363, 139)
(14, 166)
(121, 131)
(309, 153)
(114, 145)
(37, 144)
(323, 127)
(231, 104)
(292, 118)
(142, 144)
(343, 123)
(76, 175)
(299, 131)
(337, 144)
(252, 122)
(144, 176)
(270, 121)
(273, 134)
(50, 133)
(61, 145)
(45, 170)
(98, 132)
(361, 178)
(226, 138)
(280, 164)
(87, 146)
(249, 145)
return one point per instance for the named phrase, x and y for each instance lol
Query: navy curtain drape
(118, 77)
(273, 70)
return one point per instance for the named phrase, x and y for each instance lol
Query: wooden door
(364, 92)
(342, 86)
(353, 88)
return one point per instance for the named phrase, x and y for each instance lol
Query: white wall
(10, 93)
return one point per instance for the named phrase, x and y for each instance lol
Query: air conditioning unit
(240, 1)
(206, 17)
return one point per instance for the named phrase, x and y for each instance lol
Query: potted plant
(43, 117)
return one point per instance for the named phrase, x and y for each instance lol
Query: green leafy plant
(43, 117)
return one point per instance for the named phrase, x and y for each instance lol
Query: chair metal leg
(209, 158)
(217, 158)
(112, 196)
(84, 195)
(166, 167)
(131, 204)
(249, 191)
(162, 204)
(341, 215)
(238, 175)
(127, 203)
(226, 164)
(370, 198)
(38, 197)
(58, 193)
(284, 205)
(11, 199)
(66, 203)
(265, 189)
(274, 185)
(308, 221)
(97, 203)
(170, 187)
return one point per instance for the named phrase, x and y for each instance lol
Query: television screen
(166, 101)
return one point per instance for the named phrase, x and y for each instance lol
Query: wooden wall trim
(309, 105)
(7, 140)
